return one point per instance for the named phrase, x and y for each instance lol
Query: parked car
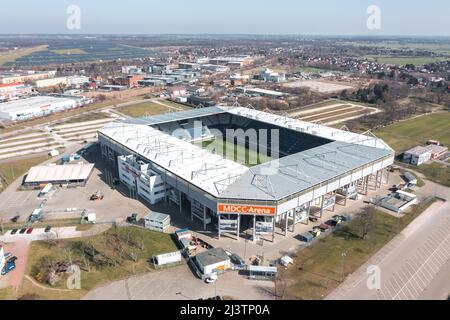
(212, 278)
(331, 223)
(237, 261)
(7, 255)
(315, 232)
(8, 268)
(14, 231)
(12, 259)
(29, 230)
(324, 227)
(313, 219)
(47, 229)
(22, 231)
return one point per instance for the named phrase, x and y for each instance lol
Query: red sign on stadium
(246, 209)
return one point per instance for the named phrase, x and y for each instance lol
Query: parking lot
(180, 284)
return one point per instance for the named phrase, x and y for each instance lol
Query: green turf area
(407, 134)
(115, 254)
(11, 170)
(144, 108)
(417, 61)
(312, 70)
(237, 153)
(320, 268)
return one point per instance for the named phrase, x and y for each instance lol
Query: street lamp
(343, 255)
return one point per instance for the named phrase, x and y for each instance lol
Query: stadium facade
(313, 168)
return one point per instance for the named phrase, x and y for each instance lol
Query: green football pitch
(245, 156)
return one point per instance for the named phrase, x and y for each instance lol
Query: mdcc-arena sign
(243, 209)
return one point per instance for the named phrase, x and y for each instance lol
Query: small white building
(213, 261)
(137, 176)
(272, 76)
(417, 156)
(157, 221)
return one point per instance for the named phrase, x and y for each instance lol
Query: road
(411, 267)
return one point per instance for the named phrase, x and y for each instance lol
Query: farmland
(417, 61)
(78, 51)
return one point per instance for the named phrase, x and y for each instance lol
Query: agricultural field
(74, 52)
(11, 56)
(417, 61)
(118, 253)
(332, 112)
(410, 133)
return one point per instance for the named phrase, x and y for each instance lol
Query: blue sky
(316, 17)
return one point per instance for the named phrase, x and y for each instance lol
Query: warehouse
(316, 165)
(38, 106)
(67, 175)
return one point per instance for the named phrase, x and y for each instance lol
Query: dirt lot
(319, 86)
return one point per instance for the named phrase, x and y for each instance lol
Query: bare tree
(366, 220)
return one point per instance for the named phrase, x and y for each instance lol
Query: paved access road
(413, 266)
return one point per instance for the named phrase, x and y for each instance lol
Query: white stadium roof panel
(227, 179)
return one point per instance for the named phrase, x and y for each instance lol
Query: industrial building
(14, 90)
(67, 174)
(25, 76)
(39, 106)
(261, 92)
(316, 166)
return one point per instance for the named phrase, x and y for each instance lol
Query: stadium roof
(227, 179)
(67, 172)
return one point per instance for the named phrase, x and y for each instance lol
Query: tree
(366, 221)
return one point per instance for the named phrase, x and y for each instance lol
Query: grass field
(407, 134)
(102, 258)
(236, 153)
(9, 171)
(143, 108)
(320, 268)
(311, 70)
(417, 61)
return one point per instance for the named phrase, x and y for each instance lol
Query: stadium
(238, 169)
